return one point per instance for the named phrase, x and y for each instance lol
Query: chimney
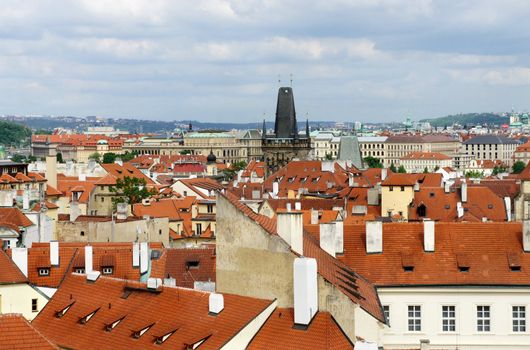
(339, 237)
(136, 254)
(374, 237)
(508, 206)
(290, 228)
(314, 217)
(446, 187)
(327, 238)
(463, 194)
(275, 188)
(416, 186)
(350, 180)
(297, 206)
(93, 276)
(384, 172)
(89, 266)
(154, 283)
(51, 171)
(54, 253)
(20, 258)
(216, 303)
(82, 177)
(305, 290)
(288, 206)
(428, 235)
(459, 209)
(74, 211)
(144, 257)
(526, 236)
(25, 200)
(118, 161)
(121, 211)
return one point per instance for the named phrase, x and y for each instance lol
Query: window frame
(107, 270)
(34, 305)
(446, 319)
(416, 320)
(41, 271)
(483, 318)
(521, 321)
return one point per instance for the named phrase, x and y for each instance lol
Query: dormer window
(192, 264)
(141, 332)
(107, 270)
(162, 339)
(79, 270)
(113, 325)
(85, 319)
(63, 312)
(462, 261)
(44, 271)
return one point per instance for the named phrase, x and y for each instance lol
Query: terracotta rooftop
(15, 217)
(126, 315)
(18, 333)
(126, 170)
(425, 155)
(278, 333)
(9, 272)
(399, 180)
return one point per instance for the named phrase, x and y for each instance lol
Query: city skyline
(220, 60)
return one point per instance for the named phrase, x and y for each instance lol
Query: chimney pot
(290, 228)
(20, 258)
(136, 254)
(144, 257)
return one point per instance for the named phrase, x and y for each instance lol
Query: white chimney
(314, 217)
(374, 237)
(216, 303)
(89, 266)
(144, 257)
(384, 173)
(288, 206)
(305, 290)
(20, 258)
(339, 237)
(121, 211)
(74, 211)
(416, 186)
(290, 227)
(154, 283)
(327, 238)
(526, 236)
(25, 200)
(508, 206)
(275, 188)
(51, 171)
(93, 276)
(428, 235)
(136, 254)
(54, 253)
(82, 177)
(446, 187)
(459, 209)
(350, 180)
(297, 206)
(463, 194)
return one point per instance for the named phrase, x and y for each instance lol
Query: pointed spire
(264, 130)
(307, 128)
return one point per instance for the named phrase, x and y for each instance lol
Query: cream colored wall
(396, 200)
(16, 298)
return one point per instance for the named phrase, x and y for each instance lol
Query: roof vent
(216, 303)
(93, 276)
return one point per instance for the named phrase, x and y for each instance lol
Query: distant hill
(13, 134)
(468, 118)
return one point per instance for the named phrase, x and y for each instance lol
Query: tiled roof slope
(168, 309)
(18, 333)
(127, 169)
(174, 263)
(362, 293)
(9, 272)
(15, 217)
(278, 333)
(487, 248)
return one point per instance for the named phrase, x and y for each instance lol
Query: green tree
(131, 190)
(372, 162)
(475, 174)
(96, 156)
(59, 157)
(436, 168)
(109, 158)
(402, 169)
(13, 134)
(42, 132)
(127, 156)
(499, 169)
(184, 152)
(426, 170)
(393, 168)
(18, 158)
(230, 172)
(32, 159)
(328, 156)
(518, 167)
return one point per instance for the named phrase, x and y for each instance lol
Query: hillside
(13, 134)
(468, 118)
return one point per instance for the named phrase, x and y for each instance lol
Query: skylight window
(63, 312)
(162, 339)
(85, 319)
(141, 332)
(113, 325)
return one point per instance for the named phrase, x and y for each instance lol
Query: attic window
(113, 325)
(447, 206)
(462, 261)
(44, 272)
(514, 262)
(291, 179)
(107, 270)
(141, 332)
(63, 312)
(192, 264)
(315, 179)
(85, 319)
(303, 180)
(162, 339)
(490, 206)
(407, 261)
(431, 194)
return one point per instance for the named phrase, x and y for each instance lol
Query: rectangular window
(102, 199)
(391, 188)
(79, 270)
(34, 305)
(386, 309)
(210, 208)
(106, 270)
(519, 318)
(448, 318)
(44, 272)
(402, 188)
(198, 229)
(483, 318)
(414, 316)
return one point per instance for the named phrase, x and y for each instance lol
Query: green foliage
(231, 172)
(426, 170)
(436, 168)
(127, 156)
(42, 132)
(109, 158)
(372, 162)
(96, 156)
(328, 156)
(518, 167)
(468, 118)
(184, 152)
(12, 134)
(499, 169)
(402, 169)
(475, 174)
(31, 159)
(393, 168)
(18, 158)
(131, 190)
(59, 157)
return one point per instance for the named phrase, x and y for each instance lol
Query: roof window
(113, 325)
(63, 312)
(85, 319)
(141, 332)
(462, 261)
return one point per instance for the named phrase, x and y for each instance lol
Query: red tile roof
(399, 180)
(180, 313)
(126, 170)
(52, 191)
(9, 272)
(67, 184)
(175, 263)
(426, 155)
(18, 333)
(278, 333)
(14, 217)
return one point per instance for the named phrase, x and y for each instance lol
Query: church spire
(264, 130)
(307, 128)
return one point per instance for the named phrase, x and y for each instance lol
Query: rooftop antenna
(291, 79)
(279, 79)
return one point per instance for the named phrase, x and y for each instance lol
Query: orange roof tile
(9, 272)
(15, 217)
(126, 170)
(18, 333)
(399, 180)
(180, 313)
(426, 155)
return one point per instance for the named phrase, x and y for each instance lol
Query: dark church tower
(285, 145)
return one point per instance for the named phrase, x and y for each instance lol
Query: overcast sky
(212, 60)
